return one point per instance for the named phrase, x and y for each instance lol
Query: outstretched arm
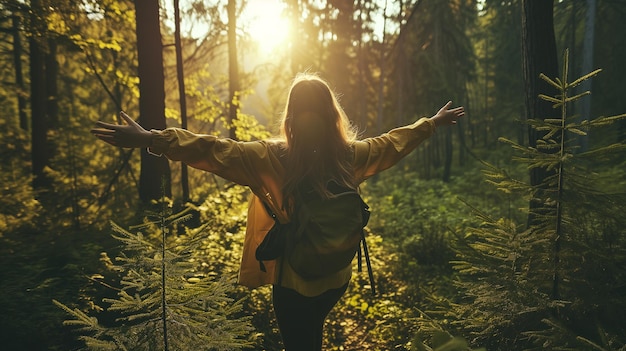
(131, 135)
(373, 155)
(446, 116)
(240, 162)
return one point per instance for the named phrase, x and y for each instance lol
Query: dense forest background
(505, 232)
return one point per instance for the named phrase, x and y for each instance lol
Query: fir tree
(558, 283)
(166, 302)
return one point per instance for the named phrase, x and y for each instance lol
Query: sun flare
(266, 24)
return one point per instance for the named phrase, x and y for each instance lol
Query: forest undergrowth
(459, 264)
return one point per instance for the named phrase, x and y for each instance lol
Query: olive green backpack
(323, 236)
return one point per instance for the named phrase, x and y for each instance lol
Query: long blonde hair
(318, 136)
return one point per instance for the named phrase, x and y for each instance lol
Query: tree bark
(539, 56)
(381, 79)
(52, 90)
(587, 66)
(295, 37)
(155, 177)
(233, 69)
(19, 75)
(180, 73)
(39, 124)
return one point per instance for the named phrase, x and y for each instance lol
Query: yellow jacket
(256, 164)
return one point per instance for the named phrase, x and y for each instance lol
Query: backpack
(323, 236)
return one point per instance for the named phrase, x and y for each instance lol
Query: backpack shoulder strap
(370, 272)
(365, 213)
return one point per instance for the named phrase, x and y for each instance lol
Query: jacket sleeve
(237, 161)
(374, 155)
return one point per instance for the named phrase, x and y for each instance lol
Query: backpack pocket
(273, 245)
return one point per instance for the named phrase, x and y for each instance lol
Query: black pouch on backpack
(273, 245)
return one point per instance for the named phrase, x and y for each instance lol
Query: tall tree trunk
(44, 70)
(441, 56)
(381, 79)
(587, 66)
(75, 198)
(39, 125)
(52, 90)
(539, 56)
(184, 178)
(155, 171)
(19, 75)
(233, 68)
(337, 61)
(295, 37)
(361, 113)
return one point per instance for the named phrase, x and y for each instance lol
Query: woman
(317, 145)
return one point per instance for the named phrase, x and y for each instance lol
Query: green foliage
(418, 216)
(35, 266)
(50, 241)
(497, 98)
(248, 128)
(502, 281)
(36, 261)
(166, 297)
(18, 205)
(556, 284)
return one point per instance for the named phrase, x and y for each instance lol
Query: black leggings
(301, 318)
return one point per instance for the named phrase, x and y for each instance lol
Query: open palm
(131, 135)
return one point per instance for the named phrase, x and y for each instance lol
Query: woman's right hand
(446, 116)
(131, 135)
